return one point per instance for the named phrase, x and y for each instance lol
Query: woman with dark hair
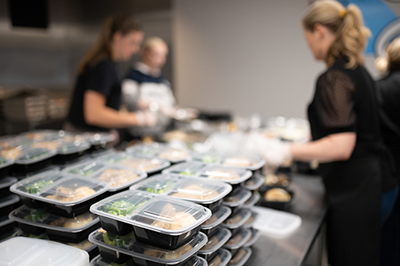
(97, 95)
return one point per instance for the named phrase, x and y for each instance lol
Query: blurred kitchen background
(241, 57)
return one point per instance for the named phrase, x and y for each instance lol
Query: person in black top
(345, 132)
(388, 91)
(97, 95)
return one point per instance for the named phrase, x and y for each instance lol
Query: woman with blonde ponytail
(97, 95)
(345, 133)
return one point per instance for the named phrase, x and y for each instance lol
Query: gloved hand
(274, 151)
(146, 118)
(277, 153)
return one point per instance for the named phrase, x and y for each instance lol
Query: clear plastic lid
(237, 197)
(52, 145)
(8, 181)
(238, 239)
(5, 221)
(34, 155)
(34, 184)
(4, 162)
(157, 213)
(205, 158)
(40, 218)
(243, 161)
(241, 257)
(253, 239)
(237, 219)
(184, 169)
(252, 201)
(150, 149)
(131, 247)
(11, 147)
(249, 223)
(9, 200)
(59, 188)
(41, 135)
(192, 189)
(174, 154)
(227, 174)
(159, 150)
(23, 251)
(118, 177)
(255, 182)
(84, 168)
(140, 163)
(216, 241)
(100, 138)
(72, 147)
(221, 259)
(158, 184)
(219, 215)
(99, 261)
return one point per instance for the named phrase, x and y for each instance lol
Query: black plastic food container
(32, 160)
(146, 255)
(5, 184)
(278, 205)
(150, 222)
(8, 204)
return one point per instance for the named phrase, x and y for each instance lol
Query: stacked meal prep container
(56, 207)
(143, 228)
(32, 153)
(8, 201)
(208, 193)
(236, 227)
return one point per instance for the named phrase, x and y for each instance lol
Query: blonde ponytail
(346, 24)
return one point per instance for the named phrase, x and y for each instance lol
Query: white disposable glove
(146, 118)
(277, 153)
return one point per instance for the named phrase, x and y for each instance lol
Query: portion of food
(35, 187)
(168, 255)
(172, 154)
(277, 180)
(11, 153)
(116, 177)
(35, 215)
(212, 242)
(211, 220)
(73, 223)
(158, 188)
(277, 194)
(65, 194)
(142, 164)
(234, 219)
(238, 257)
(86, 169)
(50, 145)
(223, 174)
(34, 154)
(123, 208)
(117, 240)
(241, 161)
(234, 240)
(195, 192)
(170, 219)
(215, 262)
(85, 244)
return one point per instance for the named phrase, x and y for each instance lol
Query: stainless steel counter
(309, 204)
